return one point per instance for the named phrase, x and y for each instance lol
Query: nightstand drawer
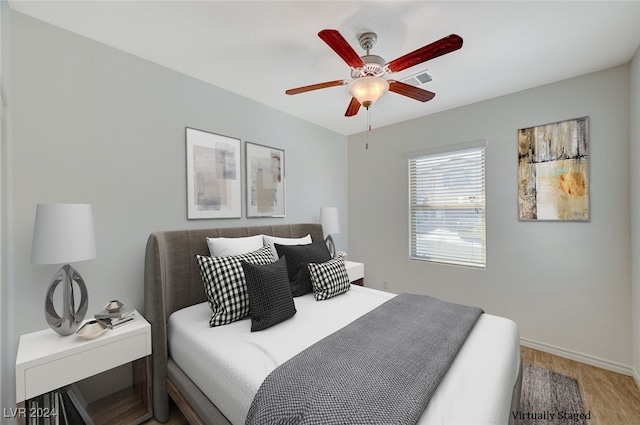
(63, 371)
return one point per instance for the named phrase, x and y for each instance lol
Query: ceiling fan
(368, 85)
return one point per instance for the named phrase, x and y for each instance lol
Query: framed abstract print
(214, 185)
(265, 181)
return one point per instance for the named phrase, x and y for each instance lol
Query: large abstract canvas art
(213, 175)
(553, 171)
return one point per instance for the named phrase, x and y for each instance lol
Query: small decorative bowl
(113, 306)
(92, 329)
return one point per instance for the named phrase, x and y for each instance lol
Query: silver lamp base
(71, 318)
(331, 245)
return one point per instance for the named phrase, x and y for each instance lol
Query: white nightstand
(355, 272)
(47, 361)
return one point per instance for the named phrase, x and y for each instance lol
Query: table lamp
(330, 225)
(63, 233)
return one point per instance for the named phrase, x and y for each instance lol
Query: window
(447, 206)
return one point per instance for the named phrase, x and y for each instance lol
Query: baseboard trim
(582, 358)
(636, 377)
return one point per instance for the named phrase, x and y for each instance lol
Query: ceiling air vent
(418, 79)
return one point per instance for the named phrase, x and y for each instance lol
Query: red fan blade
(317, 86)
(410, 91)
(353, 108)
(341, 47)
(438, 48)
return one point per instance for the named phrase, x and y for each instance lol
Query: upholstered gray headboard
(172, 281)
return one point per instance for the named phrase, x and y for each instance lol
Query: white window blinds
(447, 206)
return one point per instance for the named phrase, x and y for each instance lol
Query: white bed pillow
(271, 240)
(226, 247)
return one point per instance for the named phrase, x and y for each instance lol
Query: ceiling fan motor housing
(374, 66)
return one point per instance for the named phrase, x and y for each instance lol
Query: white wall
(566, 284)
(6, 332)
(634, 114)
(93, 124)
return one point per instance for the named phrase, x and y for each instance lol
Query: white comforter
(228, 363)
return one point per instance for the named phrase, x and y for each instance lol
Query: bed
(485, 377)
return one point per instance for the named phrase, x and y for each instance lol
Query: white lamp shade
(368, 89)
(63, 233)
(329, 220)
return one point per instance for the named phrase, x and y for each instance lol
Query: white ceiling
(259, 49)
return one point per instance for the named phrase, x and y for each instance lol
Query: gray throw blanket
(382, 368)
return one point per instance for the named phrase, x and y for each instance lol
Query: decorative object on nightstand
(330, 225)
(113, 306)
(110, 312)
(63, 233)
(92, 329)
(116, 314)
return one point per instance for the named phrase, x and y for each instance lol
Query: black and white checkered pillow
(225, 284)
(329, 278)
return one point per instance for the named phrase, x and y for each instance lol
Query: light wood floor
(612, 398)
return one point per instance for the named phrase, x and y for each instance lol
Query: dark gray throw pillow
(270, 298)
(298, 257)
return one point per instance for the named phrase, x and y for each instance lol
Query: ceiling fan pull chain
(368, 126)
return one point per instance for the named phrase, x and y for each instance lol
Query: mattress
(229, 363)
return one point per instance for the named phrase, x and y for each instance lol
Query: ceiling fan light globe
(368, 89)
